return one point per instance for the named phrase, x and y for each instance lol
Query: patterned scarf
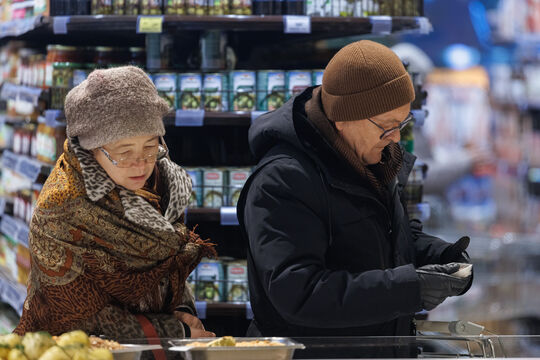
(94, 243)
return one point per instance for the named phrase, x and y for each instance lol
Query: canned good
(175, 7)
(119, 7)
(270, 89)
(237, 180)
(196, 187)
(237, 281)
(297, 81)
(215, 92)
(242, 86)
(210, 279)
(166, 87)
(218, 7)
(213, 185)
(133, 7)
(151, 7)
(190, 86)
(79, 75)
(196, 7)
(241, 7)
(317, 76)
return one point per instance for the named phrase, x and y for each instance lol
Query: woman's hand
(195, 325)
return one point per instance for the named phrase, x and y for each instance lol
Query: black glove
(456, 253)
(436, 284)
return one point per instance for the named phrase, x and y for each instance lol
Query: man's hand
(195, 325)
(436, 283)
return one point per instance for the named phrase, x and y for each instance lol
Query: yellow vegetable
(223, 341)
(100, 354)
(16, 354)
(73, 337)
(76, 350)
(35, 344)
(10, 340)
(54, 353)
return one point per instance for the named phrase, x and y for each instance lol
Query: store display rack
(327, 26)
(89, 28)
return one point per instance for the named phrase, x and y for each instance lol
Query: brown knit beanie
(362, 80)
(114, 104)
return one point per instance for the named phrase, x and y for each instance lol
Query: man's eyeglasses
(148, 156)
(389, 132)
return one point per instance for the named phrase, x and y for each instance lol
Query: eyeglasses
(387, 133)
(148, 157)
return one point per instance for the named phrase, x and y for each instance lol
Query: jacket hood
(276, 127)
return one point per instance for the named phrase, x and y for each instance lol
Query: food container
(213, 186)
(297, 81)
(237, 281)
(196, 197)
(237, 180)
(215, 92)
(190, 86)
(270, 89)
(132, 352)
(243, 86)
(316, 77)
(284, 352)
(166, 87)
(209, 283)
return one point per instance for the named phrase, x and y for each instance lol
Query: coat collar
(98, 185)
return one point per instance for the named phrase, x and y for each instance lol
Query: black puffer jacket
(326, 256)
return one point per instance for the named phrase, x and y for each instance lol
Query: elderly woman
(110, 252)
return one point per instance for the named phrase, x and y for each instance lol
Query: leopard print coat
(102, 255)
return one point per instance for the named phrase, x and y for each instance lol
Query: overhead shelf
(329, 26)
(25, 166)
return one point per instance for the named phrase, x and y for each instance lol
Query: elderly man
(331, 249)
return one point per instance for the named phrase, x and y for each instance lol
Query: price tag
(9, 226)
(189, 118)
(22, 235)
(419, 117)
(424, 25)
(294, 24)
(10, 160)
(29, 168)
(60, 24)
(201, 309)
(30, 94)
(51, 117)
(228, 216)
(256, 114)
(381, 25)
(149, 24)
(249, 311)
(2, 205)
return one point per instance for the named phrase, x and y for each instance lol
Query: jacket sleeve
(288, 241)
(119, 323)
(428, 248)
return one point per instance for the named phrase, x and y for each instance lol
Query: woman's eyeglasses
(150, 156)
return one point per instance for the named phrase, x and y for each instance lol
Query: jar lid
(136, 49)
(66, 48)
(104, 48)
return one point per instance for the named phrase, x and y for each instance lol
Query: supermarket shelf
(336, 26)
(215, 119)
(225, 215)
(15, 229)
(11, 292)
(25, 166)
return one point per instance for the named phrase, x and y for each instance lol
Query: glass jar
(104, 56)
(137, 56)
